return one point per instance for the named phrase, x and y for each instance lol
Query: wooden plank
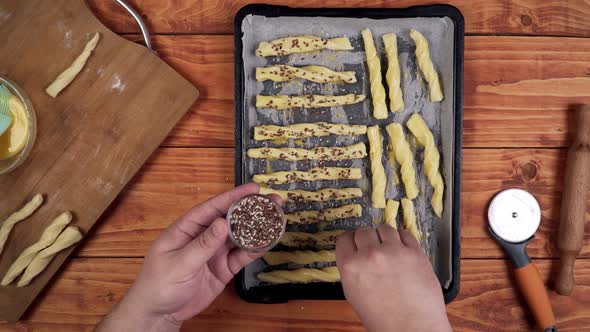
(517, 90)
(176, 178)
(88, 288)
(481, 17)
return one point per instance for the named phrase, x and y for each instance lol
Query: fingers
(388, 234)
(366, 238)
(201, 249)
(345, 246)
(239, 258)
(408, 239)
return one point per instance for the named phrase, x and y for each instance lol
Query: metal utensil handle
(139, 20)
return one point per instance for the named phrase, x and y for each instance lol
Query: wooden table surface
(527, 63)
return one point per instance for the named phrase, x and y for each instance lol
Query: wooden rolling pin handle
(573, 204)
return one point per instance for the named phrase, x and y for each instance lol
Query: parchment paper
(438, 116)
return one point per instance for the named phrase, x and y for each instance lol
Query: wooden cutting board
(93, 137)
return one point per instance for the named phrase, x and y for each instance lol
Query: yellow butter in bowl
(13, 140)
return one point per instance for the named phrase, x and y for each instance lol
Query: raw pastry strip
(302, 44)
(305, 130)
(317, 74)
(67, 238)
(68, 75)
(322, 195)
(47, 238)
(392, 163)
(355, 151)
(320, 239)
(393, 75)
(314, 216)
(391, 212)
(431, 160)
(327, 274)
(426, 66)
(20, 215)
(299, 257)
(378, 172)
(314, 174)
(285, 102)
(404, 156)
(374, 66)
(409, 218)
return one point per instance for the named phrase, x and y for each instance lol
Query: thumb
(203, 247)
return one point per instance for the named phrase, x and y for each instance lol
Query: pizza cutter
(514, 216)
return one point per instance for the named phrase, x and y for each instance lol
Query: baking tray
(452, 174)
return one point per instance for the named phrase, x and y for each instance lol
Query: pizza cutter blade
(514, 216)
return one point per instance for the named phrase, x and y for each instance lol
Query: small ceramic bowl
(7, 165)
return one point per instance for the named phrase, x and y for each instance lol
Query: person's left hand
(186, 268)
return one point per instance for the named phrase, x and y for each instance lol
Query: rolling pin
(573, 204)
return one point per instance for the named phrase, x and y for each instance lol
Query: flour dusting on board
(4, 16)
(118, 85)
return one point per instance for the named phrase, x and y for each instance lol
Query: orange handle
(532, 287)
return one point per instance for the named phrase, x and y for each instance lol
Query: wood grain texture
(481, 17)
(88, 288)
(519, 91)
(93, 137)
(176, 178)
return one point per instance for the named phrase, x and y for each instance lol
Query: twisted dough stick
(431, 160)
(378, 173)
(302, 44)
(355, 151)
(391, 212)
(299, 257)
(320, 239)
(317, 74)
(374, 66)
(314, 174)
(404, 156)
(327, 274)
(20, 215)
(304, 130)
(393, 75)
(284, 102)
(47, 238)
(314, 216)
(409, 218)
(322, 195)
(426, 66)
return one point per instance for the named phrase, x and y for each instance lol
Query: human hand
(389, 281)
(186, 268)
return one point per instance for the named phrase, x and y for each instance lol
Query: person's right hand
(389, 281)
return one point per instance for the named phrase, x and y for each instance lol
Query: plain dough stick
(391, 212)
(285, 102)
(426, 66)
(393, 75)
(378, 172)
(409, 218)
(374, 66)
(320, 239)
(305, 130)
(302, 44)
(47, 238)
(322, 195)
(431, 160)
(317, 74)
(404, 156)
(68, 75)
(299, 257)
(67, 238)
(17, 216)
(327, 274)
(324, 153)
(314, 174)
(314, 216)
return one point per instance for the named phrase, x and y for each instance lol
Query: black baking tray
(333, 291)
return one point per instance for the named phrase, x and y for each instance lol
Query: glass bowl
(7, 165)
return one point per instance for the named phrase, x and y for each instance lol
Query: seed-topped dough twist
(317, 74)
(322, 195)
(355, 151)
(409, 218)
(431, 160)
(18, 216)
(391, 212)
(327, 274)
(305, 130)
(378, 178)
(314, 174)
(302, 44)
(319, 239)
(374, 66)
(284, 102)
(393, 75)
(404, 156)
(299, 257)
(426, 66)
(331, 214)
